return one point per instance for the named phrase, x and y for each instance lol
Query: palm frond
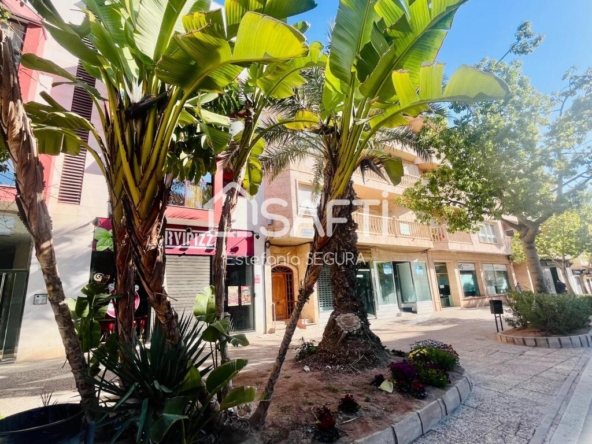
(277, 158)
(404, 136)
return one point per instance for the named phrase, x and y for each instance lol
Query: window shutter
(73, 167)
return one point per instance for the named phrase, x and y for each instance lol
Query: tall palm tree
(158, 60)
(288, 144)
(380, 72)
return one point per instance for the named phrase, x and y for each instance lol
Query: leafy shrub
(348, 404)
(434, 357)
(551, 314)
(433, 376)
(305, 349)
(160, 391)
(434, 344)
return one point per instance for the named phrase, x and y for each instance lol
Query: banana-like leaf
(416, 39)
(55, 140)
(193, 381)
(238, 396)
(221, 375)
(279, 80)
(353, 27)
(173, 412)
(37, 63)
(467, 85)
(205, 305)
(279, 9)
(304, 119)
(200, 59)
(301, 26)
(254, 171)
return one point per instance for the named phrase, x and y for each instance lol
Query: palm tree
(16, 139)
(158, 60)
(287, 146)
(255, 93)
(380, 72)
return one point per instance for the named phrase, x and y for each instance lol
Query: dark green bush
(432, 376)
(435, 357)
(551, 314)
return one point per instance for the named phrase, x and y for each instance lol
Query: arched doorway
(282, 279)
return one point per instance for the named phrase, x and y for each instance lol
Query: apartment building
(405, 266)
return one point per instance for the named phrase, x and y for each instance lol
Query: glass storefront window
(468, 280)
(386, 283)
(192, 195)
(420, 279)
(496, 279)
(240, 299)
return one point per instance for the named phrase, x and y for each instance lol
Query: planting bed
(299, 394)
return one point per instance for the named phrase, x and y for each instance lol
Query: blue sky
(486, 28)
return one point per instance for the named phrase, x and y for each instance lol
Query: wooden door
(279, 295)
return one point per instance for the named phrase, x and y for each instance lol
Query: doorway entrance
(365, 292)
(443, 284)
(282, 279)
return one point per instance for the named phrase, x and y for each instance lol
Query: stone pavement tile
(542, 385)
(501, 386)
(433, 437)
(500, 436)
(557, 375)
(466, 425)
(541, 398)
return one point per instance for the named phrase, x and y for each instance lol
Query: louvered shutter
(73, 167)
(324, 292)
(185, 277)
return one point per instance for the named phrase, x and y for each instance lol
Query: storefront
(189, 255)
(403, 285)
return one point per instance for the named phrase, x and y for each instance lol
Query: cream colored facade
(392, 243)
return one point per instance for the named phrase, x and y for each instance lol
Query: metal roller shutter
(185, 277)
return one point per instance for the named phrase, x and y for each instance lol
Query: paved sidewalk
(514, 386)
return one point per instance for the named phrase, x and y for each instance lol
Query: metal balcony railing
(374, 225)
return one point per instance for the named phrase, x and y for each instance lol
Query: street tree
(379, 73)
(521, 160)
(565, 237)
(158, 61)
(18, 143)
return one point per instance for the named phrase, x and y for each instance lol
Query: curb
(419, 423)
(577, 341)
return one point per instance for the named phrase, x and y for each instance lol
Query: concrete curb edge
(576, 341)
(418, 423)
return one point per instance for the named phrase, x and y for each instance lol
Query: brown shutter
(73, 167)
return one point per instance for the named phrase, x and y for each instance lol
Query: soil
(534, 333)
(299, 393)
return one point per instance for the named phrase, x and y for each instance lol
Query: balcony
(380, 230)
(469, 242)
(374, 181)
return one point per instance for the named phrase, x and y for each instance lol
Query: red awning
(199, 241)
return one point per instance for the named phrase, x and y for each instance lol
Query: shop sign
(466, 267)
(198, 240)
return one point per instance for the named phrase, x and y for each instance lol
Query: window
(307, 201)
(468, 280)
(488, 234)
(496, 279)
(192, 195)
(324, 290)
(16, 31)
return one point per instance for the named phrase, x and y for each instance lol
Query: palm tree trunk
(147, 246)
(17, 137)
(313, 272)
(124, 283)
(221, 258)
(320, 244)
(528, 238)
(347, 338)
